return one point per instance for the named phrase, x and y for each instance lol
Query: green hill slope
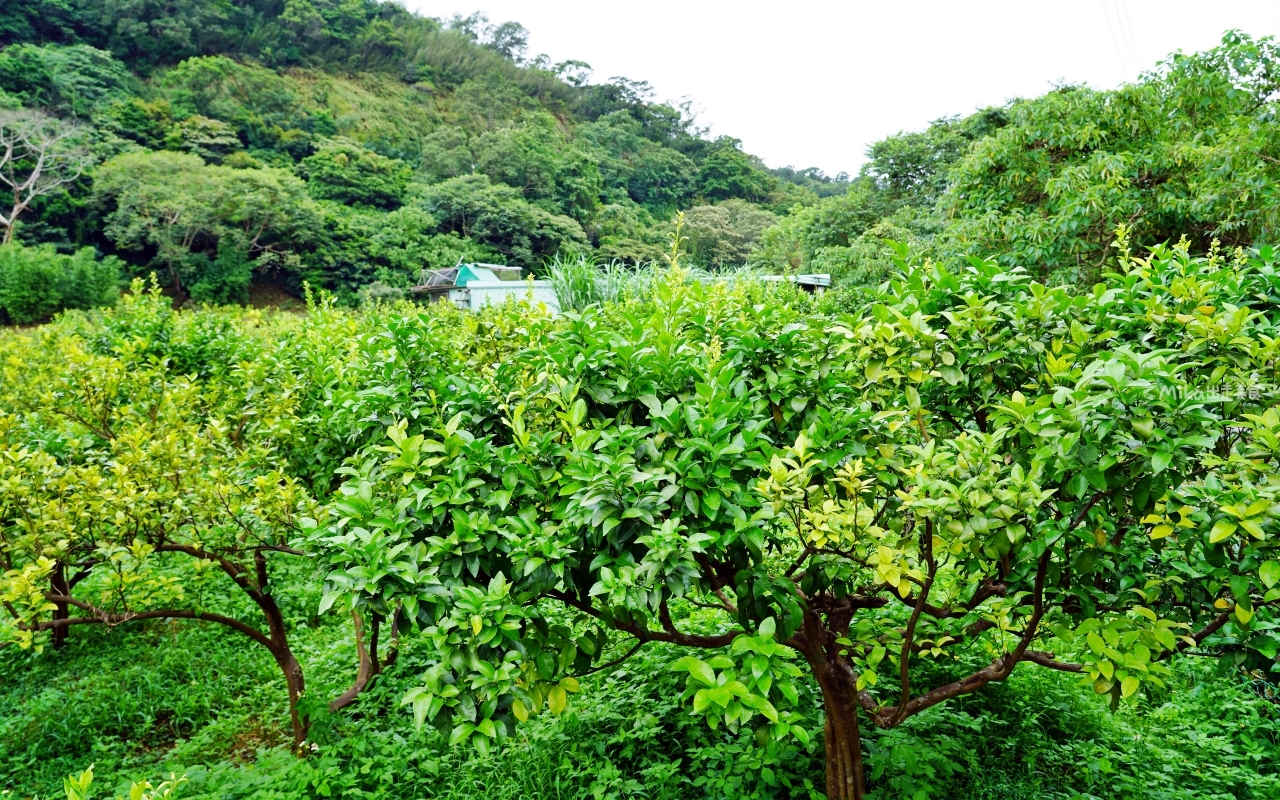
(494, 154)
(355, 143)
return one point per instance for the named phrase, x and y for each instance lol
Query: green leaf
(720, 695)
(1141, 652)
(519, 710)
(557, 700)
(701, 701)
(1096, 644)
(1239, 587)
(327, 600)
(1269, 573)
(913, 398)
(1078, 485)
(546, 665)
(1129, 685)
(1160, 461)
(1221, 530)
(1244, 613)
(698, 669)
(461, 732)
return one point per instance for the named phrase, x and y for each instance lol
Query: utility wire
(1114, 40)
(1133, 39)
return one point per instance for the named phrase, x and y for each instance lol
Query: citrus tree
(975, 472)
(141, 478)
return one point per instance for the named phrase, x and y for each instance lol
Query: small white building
(474, 286)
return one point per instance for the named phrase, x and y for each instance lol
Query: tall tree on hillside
(39, 154)
(178, 205)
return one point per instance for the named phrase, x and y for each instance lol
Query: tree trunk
(293, 679)
(58, 585)
(845, 779)
(366, 666)
(284, 656)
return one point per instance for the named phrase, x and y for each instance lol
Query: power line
(1114, 40)
(1133, 40)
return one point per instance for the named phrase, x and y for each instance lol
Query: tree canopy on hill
(374, 109)
(1190, 148)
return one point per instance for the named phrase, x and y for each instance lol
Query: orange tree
(974, 472)
(142, 476)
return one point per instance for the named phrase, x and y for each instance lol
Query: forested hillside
(346, 143)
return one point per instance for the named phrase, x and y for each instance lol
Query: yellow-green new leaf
(1221, 530)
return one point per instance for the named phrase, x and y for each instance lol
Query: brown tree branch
(111, 620)
(1047, 660)
(364, 669)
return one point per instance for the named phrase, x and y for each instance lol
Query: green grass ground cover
(190, 698)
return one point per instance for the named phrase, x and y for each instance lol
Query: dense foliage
(35, 282)
(534, 500)
(277, 140)
(1190, 149)
(919, 497)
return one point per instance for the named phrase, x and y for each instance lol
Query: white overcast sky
(812, 83)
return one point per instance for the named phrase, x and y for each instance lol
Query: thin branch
(904, 659)
(635, 649)
(1047, 660)
(730, 607)
(111, 620)
(997, 670)
(799, 562)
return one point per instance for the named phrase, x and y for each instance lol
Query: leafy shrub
(344, 171)
(222, 280)
(499, 217)
(38, 282)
